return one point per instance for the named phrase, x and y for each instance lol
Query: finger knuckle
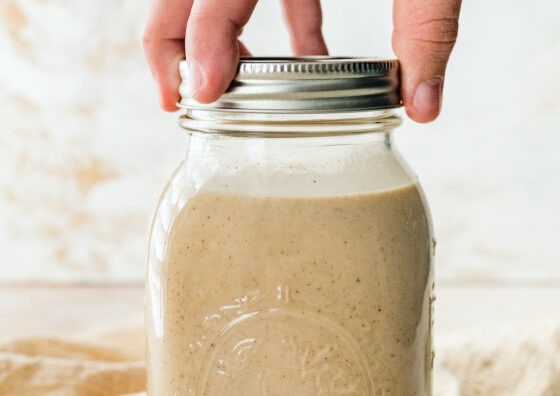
(442, 31)
(146, 42)
(429, 28)
(148, 38)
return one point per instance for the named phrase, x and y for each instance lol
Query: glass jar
(291, 251)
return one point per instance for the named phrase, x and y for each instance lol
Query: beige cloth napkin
(104, 363)
(500, 362)
(476, 363)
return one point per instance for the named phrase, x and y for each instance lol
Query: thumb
(423, 36)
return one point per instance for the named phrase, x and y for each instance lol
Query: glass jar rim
(289, 124)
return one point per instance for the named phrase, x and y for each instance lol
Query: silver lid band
(305, 84)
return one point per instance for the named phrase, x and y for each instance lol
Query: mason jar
(291, 251)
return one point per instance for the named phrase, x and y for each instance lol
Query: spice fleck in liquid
(295, 296)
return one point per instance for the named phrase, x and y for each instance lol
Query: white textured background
(84, 149)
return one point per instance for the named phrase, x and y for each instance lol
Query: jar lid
(305, 84)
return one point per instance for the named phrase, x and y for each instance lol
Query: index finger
(212, 46)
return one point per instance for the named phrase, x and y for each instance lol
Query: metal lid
(305, 84)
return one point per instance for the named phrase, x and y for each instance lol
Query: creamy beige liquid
(295, 296)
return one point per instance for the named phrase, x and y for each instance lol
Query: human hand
(211, 41)
(423, 37)
(424, 34)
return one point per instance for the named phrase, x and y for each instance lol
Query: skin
(206, 33)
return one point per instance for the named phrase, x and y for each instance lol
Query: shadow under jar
(291, 251)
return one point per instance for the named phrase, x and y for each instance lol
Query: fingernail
(427, 97)
(196, 79)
